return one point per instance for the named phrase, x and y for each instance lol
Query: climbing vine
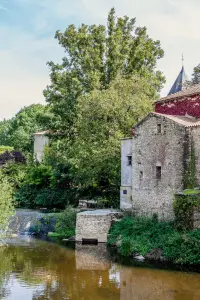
(184, 206)
(189, 173)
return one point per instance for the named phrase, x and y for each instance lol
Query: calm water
(32, 269)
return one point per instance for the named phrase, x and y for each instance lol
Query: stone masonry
(161, 149)
(95, 224)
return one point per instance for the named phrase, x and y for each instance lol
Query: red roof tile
(190, 91)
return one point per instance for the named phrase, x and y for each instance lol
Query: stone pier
(95, 224)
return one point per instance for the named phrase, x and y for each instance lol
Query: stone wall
(94, 224)
(158, 143)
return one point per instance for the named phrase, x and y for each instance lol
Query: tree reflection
(51, 272)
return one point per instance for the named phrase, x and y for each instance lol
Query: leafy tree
(6, 203)
(4, 132)
(196, 75)
(103, 118)
(22, 127)
(95, 56)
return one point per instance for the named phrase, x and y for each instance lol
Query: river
(35, 269)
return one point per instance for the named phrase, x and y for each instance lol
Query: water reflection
(31, 269)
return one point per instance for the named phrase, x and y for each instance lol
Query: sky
(27, 29)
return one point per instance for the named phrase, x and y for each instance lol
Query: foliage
(103, 117)
(26, 195)
(5, 149)
(95, 56)
(18, 131)
(33, 196)
(184, 205)
(6, 202)
(196, 75)
(39, 175)
(191, 191)
(15, 173)
(12, 156)
(183, 248)
(141, 235)
(65, 223)
(189, 173)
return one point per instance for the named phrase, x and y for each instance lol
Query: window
(158, 128)
(158, 173)
(129, 157)
(125, 192)
(141, 175)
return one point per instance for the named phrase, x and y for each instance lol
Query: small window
(158, 173)
(141, 175)
(158, 128)
(125, 192)
(129, 157)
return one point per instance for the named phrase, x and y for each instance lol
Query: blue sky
(27, 29)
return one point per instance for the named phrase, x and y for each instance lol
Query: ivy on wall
(189, 172)
(184, 206)
(180, 107)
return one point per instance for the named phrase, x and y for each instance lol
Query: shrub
(15, 173)
(66, 223)
(6, 202)
(39, 175)
(144, 234)
(26, 195)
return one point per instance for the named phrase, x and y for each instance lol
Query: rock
(155, 254)
(139, 257)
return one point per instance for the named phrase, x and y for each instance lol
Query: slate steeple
(180, 81)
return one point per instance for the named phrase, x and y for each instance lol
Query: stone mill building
(155, 160)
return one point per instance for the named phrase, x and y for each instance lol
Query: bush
(39, 175)
(26, 195)
(15, 173)
(66, 223)
(33, 196)
(145, 234)
(6, 202)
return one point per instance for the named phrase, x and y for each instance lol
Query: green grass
(141, 235)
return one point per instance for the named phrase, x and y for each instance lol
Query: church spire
(180, 81)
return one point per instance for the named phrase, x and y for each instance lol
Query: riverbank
(148, 239)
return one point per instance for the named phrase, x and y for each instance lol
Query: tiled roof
(190, 91)
(182, 120)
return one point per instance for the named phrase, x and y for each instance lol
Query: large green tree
(103, 117)
(95, 56)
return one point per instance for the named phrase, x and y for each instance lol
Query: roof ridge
(189, 91)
